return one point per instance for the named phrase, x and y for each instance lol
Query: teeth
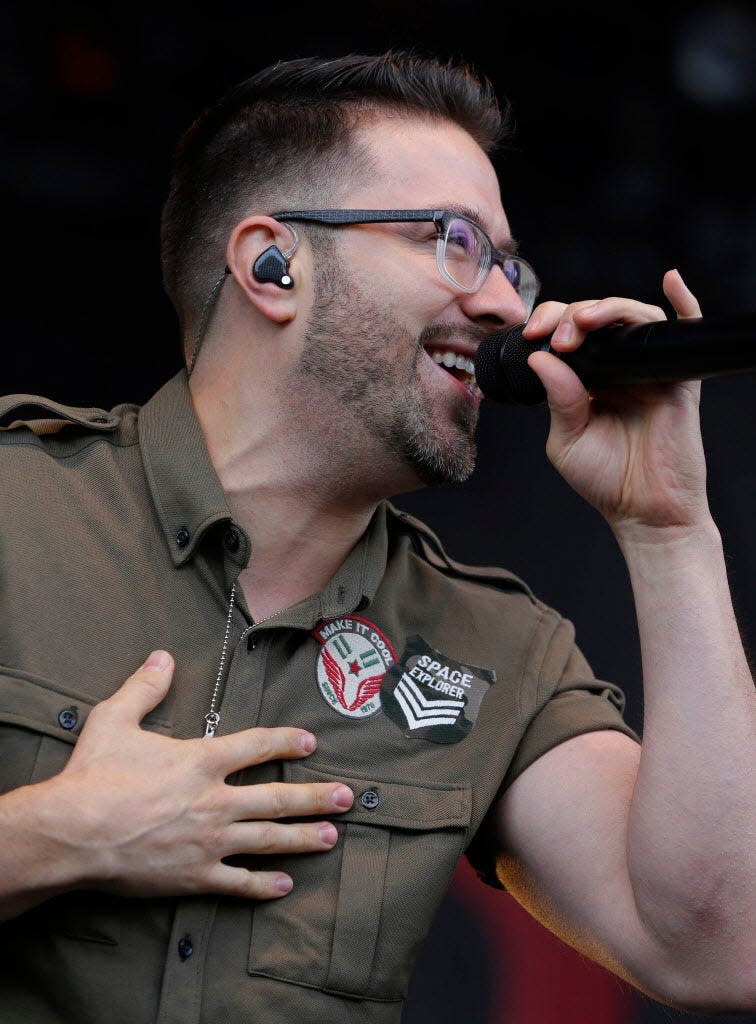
(453, 360)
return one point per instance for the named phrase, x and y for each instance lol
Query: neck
(303, 499)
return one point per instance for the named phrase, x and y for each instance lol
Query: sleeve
(568, 700)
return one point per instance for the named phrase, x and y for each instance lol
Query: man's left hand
(634, 453)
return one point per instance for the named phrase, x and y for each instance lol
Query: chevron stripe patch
(431, 696)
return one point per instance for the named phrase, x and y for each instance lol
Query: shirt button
(185, 947)
(182, 537)
(68, 718)
(370, 799)
(231, 540)
(251, 642)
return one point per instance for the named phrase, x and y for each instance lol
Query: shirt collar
(185, 487)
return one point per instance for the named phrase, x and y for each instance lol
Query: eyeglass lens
(466, 261)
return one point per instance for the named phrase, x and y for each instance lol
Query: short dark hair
(285, 136)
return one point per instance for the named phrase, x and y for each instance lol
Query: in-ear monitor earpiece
(272, 265)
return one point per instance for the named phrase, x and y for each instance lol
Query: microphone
(663, 351)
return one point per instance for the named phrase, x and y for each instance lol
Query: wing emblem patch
(354, 657)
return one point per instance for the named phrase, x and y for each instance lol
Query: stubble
(364, 360)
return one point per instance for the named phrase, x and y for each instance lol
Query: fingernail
(308, 742)
(328, 834)
(158, 659)
(563, 333)
(284, 883)
(343, 797)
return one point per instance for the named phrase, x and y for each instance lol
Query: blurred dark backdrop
(632, 127)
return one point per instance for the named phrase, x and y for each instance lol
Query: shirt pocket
(40, 721)
(358, 913)
(39, 724)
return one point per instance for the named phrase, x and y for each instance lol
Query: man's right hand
(140, 814)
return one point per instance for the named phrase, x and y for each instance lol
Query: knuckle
(263, 743)
(262, 885)
(203, 755)
(307, 838)
(266, 837)
(279, 801)
(101, 714)
(151, 679)
(328, 796)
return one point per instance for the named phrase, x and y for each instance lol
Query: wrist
(662, 552)
(43, 824)
(637, 537)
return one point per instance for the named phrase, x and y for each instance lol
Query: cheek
(409, 289)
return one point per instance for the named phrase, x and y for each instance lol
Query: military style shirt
(430, 686)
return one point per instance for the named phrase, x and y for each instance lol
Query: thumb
(143, 691)
(568, 400)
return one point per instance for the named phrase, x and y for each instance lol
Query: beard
(367, 362)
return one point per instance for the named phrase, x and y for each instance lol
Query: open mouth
(457, 365)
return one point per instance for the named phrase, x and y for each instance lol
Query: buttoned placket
(239, 705)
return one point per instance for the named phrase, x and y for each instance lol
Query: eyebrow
(510, 246)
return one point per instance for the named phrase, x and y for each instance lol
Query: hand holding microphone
(635, 454)
(661, 351)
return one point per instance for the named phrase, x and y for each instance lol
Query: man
(368, 705)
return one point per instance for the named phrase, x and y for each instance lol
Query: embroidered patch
(432, 697)
(352, 662)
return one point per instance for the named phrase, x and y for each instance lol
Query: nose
(495, 303)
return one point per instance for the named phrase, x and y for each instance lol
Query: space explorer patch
(352, 662)
(432, 697)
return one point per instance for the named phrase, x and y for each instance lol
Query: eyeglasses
(464, 252)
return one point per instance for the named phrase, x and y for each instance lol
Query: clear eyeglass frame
(472, 261)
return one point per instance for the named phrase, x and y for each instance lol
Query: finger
(682, 298)
(254, 885)
(255, 746)
(568, 400)
(142, 691)
(544, 318)
(581, 318)
(264, 837)
(265, 801)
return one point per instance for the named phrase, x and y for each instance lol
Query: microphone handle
(665, 351)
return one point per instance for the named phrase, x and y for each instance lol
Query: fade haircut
(285, 137)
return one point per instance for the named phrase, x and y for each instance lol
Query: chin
(437, 467)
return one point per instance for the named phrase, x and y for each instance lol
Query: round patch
(353, 659)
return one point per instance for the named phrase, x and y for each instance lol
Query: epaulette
(429, 547)
(44, 416)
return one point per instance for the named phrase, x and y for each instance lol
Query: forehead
(420, 163)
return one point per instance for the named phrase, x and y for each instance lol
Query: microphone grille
(501, 368)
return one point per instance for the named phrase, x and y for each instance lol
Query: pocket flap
(396, 804)
(42, 705)
(47, 707)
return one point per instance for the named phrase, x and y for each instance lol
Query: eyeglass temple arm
(359, 216)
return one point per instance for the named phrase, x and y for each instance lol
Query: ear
(250, 239)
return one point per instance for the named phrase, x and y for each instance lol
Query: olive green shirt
(430, 686)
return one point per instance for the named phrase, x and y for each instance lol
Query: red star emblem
(354, 668)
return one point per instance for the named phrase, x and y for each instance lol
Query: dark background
(632, 128)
